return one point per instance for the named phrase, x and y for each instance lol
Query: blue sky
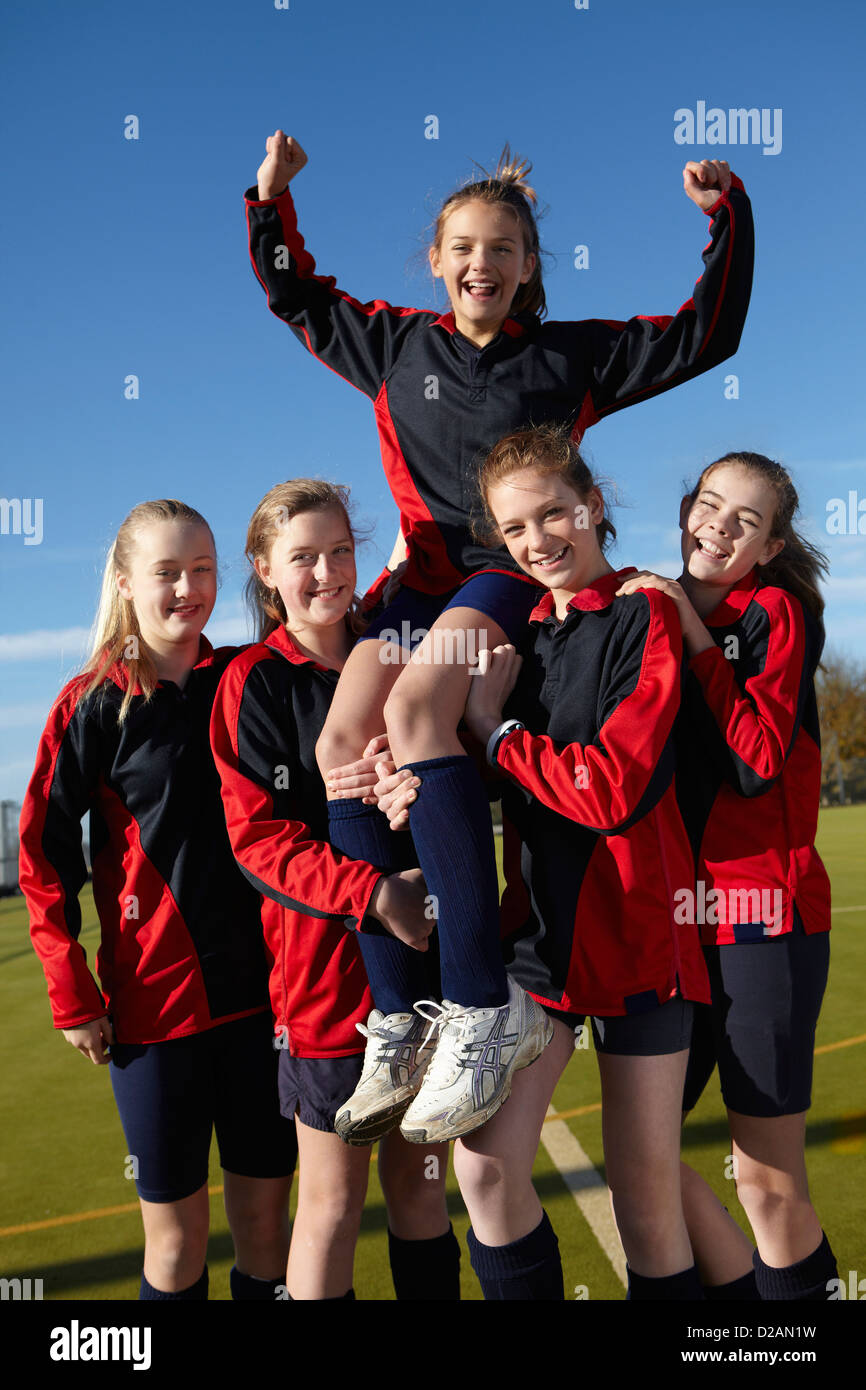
(129, 257)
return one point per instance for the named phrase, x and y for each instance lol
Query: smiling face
(726, 529)
(312, 566)
(172, 581)
(549, 530)
(482, 258)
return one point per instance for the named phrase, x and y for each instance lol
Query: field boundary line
(844, 1042)
(70, 1220)
(586, 1186)
(570, 1114)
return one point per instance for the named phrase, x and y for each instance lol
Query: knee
(414, 1187)
(261, 1226)
(482, 1178)
(333, 1212)
(179, 1255)
(403, 709)
(336, 746)
(765, 1200)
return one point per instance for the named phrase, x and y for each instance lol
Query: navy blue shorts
(505, 598)
(651, 1033)
(171, 1095)
(760, 1027)
(314, 1088)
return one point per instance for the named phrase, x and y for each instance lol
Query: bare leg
(332, 1185)
(772, 1185)
(175, 1241)
(641, 1115)
(426, 704)
(494, 1164)
(357, 709)
(413, 1181)
(258, 1217)
(722, 1252)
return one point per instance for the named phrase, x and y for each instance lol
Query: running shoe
(395, 1060)
(477, 1053)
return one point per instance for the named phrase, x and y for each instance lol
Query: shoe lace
(446, 1012)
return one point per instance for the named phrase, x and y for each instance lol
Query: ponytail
(507, 185)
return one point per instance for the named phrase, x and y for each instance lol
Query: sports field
(69, 1217)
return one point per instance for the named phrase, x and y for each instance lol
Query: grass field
(69, 1217)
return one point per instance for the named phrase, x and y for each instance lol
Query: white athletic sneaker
(395, 1060)
(477, 1054)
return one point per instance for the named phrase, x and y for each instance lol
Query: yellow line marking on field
(846, 1042)
(586, 1186)
(576, 1178)
(572, 1114)
(71, 1219)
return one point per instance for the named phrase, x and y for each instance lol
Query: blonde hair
(506, 185)
(116, 633)
(276, 508)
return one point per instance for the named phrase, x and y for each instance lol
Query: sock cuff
(248, 1288)
(685, 1284)
(450, 760)
(430, 1244)
(351, 808)
(792, 1281)
(198, 1290)
(744, 1289)
(518, 1256)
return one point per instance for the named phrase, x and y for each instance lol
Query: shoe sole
(368, 1128)
(422, 1136)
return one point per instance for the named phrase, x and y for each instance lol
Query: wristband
(498, 735)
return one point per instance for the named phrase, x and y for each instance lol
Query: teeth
(713, 550)
(551, 559)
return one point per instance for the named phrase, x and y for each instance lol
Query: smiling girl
(749, 782)
(594, 850)
(181, 1014)
(444, 387)
(268, 714)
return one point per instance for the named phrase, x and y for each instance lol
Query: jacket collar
(118, 673)
(737, 601)
(282, 642)
(513, 327)
(597, 595)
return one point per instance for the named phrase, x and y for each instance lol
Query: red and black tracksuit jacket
(440, 404)
(269, 711)
(749, 767)
(181, 947)
(595, 848)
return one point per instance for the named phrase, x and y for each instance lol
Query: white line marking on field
(585, 1184)
(859, 908)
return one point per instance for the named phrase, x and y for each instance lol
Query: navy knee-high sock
(529, 1268)
(246, 1288)
(427, 1270)
(397, 974)
(684, 1285)
(453, 835)
(196, 1291)
(805, 1281)
(742, 1290)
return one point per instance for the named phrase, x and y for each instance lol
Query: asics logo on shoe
(488, 1060)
